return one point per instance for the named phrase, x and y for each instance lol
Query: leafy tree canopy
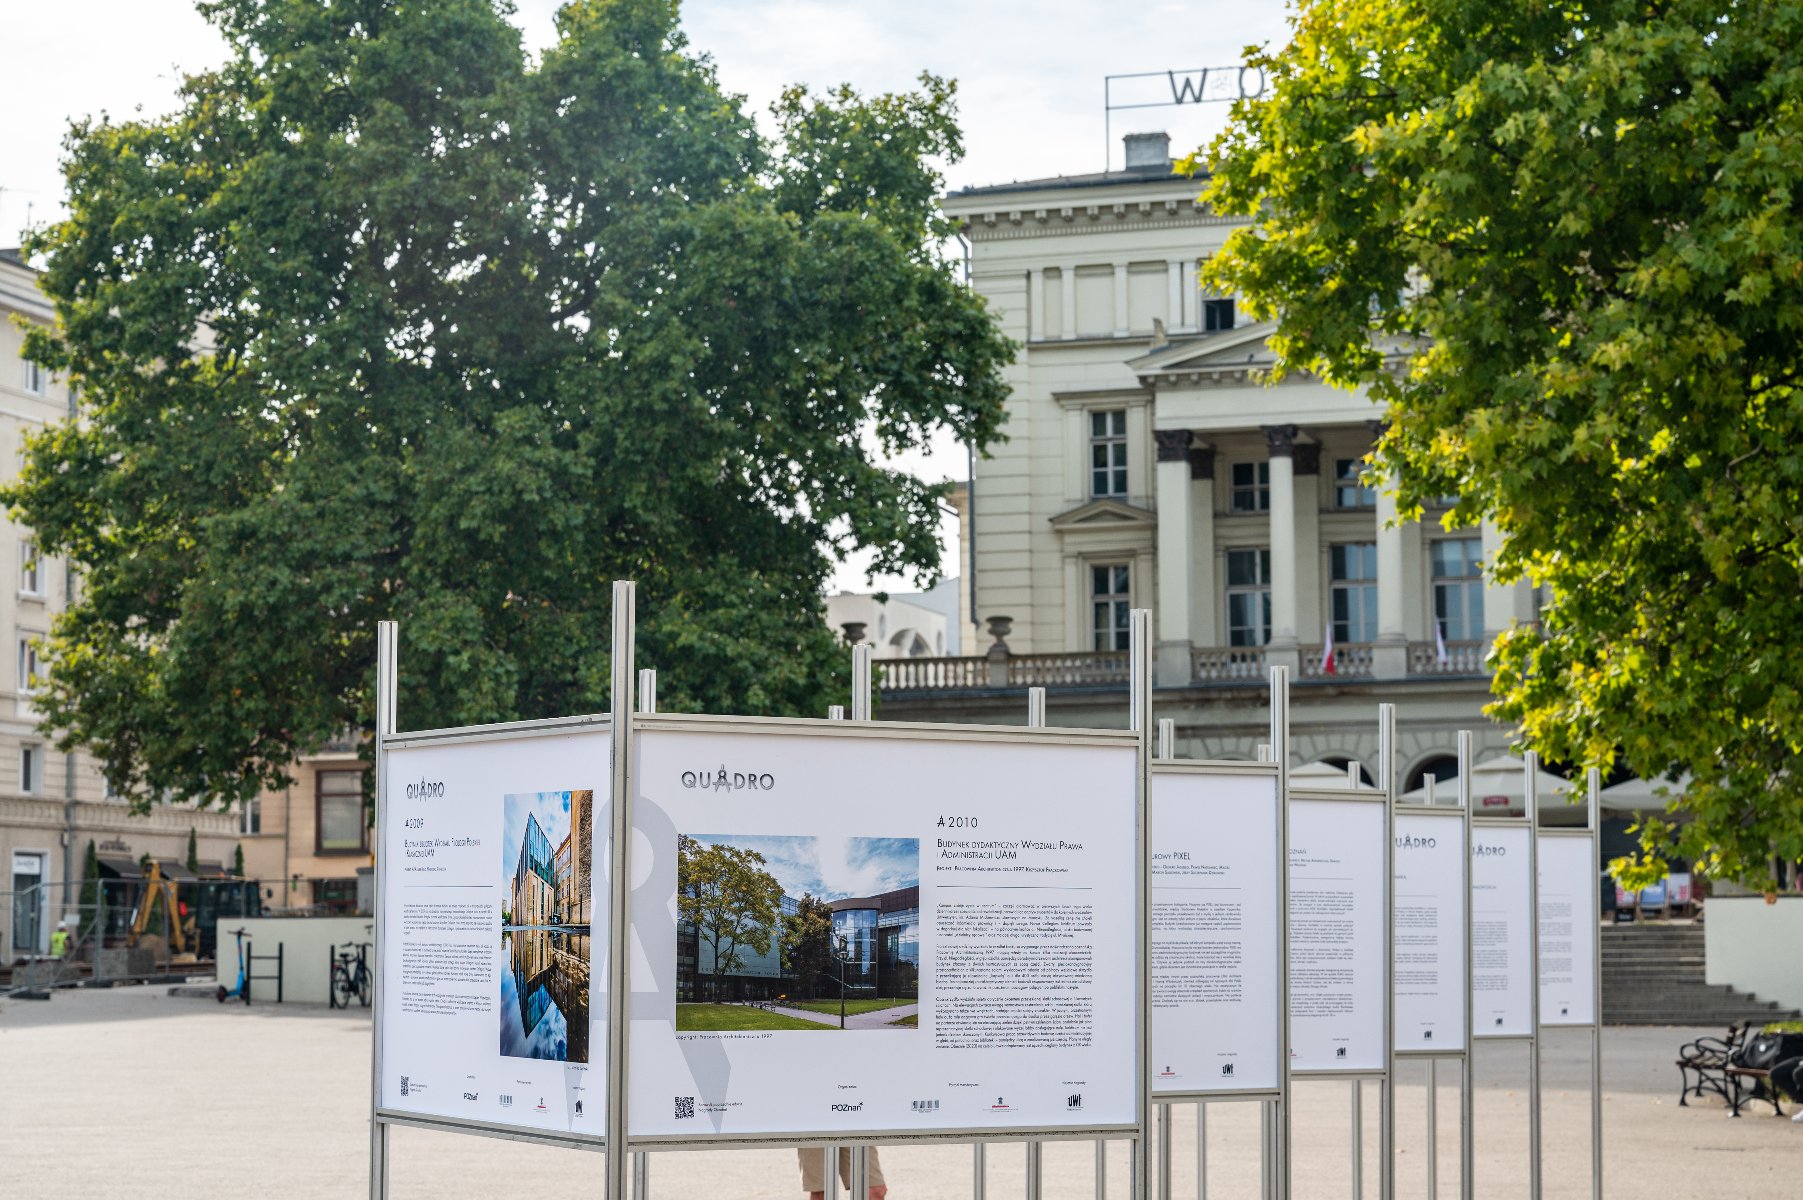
(807, 943)
(1588, 215)
(389, 320)
(734, 904)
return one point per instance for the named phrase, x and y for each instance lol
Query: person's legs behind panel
(813, 1172)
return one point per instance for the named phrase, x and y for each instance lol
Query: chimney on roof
(1148, 151)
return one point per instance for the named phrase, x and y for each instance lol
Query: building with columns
(1149, 465)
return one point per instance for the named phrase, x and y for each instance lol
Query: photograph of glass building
(546, 856)
(882, 937)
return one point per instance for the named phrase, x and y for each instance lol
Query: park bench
(1753, 1084)
(1708, 1059)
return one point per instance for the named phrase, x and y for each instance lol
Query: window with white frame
(1458, 577)
(1110, 602)
(31, 573)
(31, 769)
(1353, 570)
(36, 379)
(1108, 453)
(1250, 487)
(1348, 492)
(250, 816)
(1217, 315)
(1248, 597)
(31, 667)
(339, 813)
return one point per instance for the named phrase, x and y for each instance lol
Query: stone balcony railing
(1218, 666)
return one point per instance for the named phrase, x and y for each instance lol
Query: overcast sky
(1030, 74)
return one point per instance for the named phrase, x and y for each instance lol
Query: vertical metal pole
(387, 676)
(829, 1154)
(1101, 1169)
(641, 1161)
(1531, 799)
(979, 1171)
(1279, 752)
(1140, 701)
(1595, 782)
(1267, 1150)
(1386, 1113)
(1202, 1148)
(1433, 1137)
(1358, 1138)
(1467, 1088)
(857, 1172)
(860, 681)
(619, 941)
(1035, 1148)
(1167, 743)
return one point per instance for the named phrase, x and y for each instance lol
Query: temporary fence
(584, 892)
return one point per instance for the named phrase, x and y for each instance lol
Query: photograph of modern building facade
(880, 936)
(546, 839)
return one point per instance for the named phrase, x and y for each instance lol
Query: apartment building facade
(1150, 465)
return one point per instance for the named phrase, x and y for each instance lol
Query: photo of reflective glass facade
(882, 938)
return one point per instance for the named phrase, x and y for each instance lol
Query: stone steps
(1653, 974)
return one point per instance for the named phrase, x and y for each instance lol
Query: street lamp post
(842, 956)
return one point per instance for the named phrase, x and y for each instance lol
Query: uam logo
(1227, 1069)
(1427, 1035)
(1339, 1052)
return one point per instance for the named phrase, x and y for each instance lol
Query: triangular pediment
(1229, 349)
(1105, 514)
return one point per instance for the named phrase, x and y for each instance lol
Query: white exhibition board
(1337, 890)
(1501, 938)
(1217, 987)
(1569, 900)
(1429, 864)
(494, 910)
(1023, 849)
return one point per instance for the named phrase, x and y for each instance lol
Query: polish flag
(1327, 663)
(1440, 654)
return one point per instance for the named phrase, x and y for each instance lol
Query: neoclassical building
(1148, 465)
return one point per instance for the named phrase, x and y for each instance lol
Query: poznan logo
(722, 780)
(858, 1107)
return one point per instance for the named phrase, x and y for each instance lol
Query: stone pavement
(119, 1093)
(880, 1018)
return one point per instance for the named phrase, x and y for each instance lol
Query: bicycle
(350, 975)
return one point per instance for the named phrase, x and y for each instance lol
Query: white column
(1499, 601)
(1192, 298)
(1280, 439)
(1202, 591)
(1120, 300)
(1067, 276)
(1390, 657)
(1174, 553)
(1173, 274)
(1036, 304)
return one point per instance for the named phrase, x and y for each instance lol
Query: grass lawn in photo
(709, 1017)
(911, 1021)
(831, 1007)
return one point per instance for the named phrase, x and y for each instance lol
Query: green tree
(192, 861)
(238, 861)
(808, 944)
(388, 321)
(1562, 245)
(90, 890)
(733, 903)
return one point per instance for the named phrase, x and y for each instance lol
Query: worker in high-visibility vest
(59, 943)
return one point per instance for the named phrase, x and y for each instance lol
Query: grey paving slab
(103, 1093)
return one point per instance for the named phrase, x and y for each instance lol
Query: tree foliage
(389, 320)
(808, 943)
(1584, 220)
(733, 903)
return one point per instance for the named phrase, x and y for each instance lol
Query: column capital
(1173, 444)
(1201, 462)
(1280, 440)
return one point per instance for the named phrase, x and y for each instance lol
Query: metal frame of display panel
(1593, 830)
(1384, 794)
(1529, 820)
(1462, 1055)
(1273, 762)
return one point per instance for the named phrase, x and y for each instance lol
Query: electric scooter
(242, 990)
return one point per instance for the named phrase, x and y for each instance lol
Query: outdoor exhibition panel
(1338, 913)
(1568, 927)
(1217, 983)
(1430, 932)
(982, 881)
(493, 911)
(1502, 969)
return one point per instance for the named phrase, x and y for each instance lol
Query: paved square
(110, 1093)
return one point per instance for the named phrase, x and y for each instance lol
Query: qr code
(685, 1107)
(404, 1083)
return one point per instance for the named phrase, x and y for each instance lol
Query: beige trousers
(813, 1169)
